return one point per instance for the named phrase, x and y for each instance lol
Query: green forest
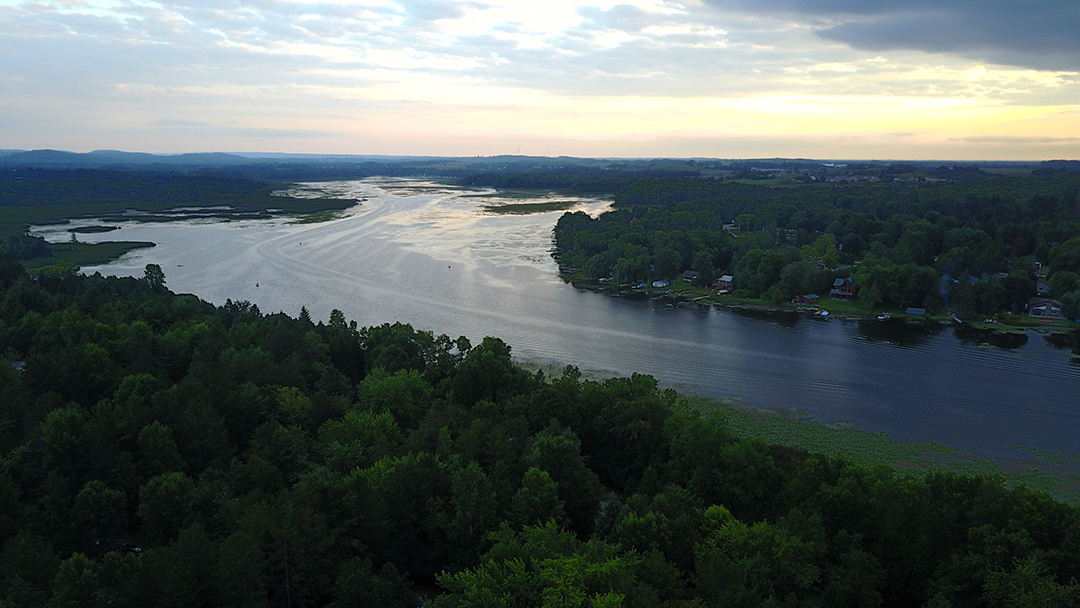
(959, 240)
(156, 450)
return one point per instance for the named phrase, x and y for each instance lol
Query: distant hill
(1069, 165)
(113, 158)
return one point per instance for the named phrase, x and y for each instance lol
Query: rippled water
(429, 255)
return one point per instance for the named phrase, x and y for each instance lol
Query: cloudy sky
(886, 79)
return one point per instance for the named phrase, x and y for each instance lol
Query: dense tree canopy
(158, 450)
(972, 247)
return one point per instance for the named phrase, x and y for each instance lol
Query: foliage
(969, 246)
(158, 450)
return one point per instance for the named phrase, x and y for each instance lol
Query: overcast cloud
(1039, 34)
(343, 76)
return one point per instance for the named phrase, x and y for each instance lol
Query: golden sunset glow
(700, 78)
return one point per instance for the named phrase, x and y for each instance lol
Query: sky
(844, 79)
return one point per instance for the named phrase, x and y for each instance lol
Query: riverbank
(77, 255)
(392, 262)
(681, 292)
(1051, 472)
(1056, 474)
(109, 217)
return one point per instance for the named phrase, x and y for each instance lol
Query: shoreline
(74, 252)
(840, 309)
(1053, 472)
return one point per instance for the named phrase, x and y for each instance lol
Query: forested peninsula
(156, 450)
(954, 239)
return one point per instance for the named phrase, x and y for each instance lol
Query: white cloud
(308, 69)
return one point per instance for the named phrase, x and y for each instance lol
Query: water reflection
(971, 335)
(898, 332)
(781, 318)
(428, 254)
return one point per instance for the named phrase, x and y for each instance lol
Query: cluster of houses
(844, 289)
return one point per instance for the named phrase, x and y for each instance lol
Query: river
(430, 255)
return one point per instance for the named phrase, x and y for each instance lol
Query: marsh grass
(538, 193)
(15, 220)
(529, 208)
(318, 217)
(85, 254)
(1051, 472)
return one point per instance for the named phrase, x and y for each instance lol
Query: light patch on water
(425, 253)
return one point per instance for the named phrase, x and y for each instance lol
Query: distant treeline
(45, 187)
(581, 180)
(156, 450)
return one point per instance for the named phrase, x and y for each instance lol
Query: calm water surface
(429, 255)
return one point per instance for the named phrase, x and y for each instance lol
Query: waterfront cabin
(690, 275)
(809, 299)
(842, 289)
(1044, 307)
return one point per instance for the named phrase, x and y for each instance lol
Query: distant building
(807, 300)
(725, 281)
(1044, 307)
(690, 275)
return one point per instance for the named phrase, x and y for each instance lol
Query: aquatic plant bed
(1054, 473)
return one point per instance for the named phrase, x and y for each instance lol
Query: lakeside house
(809, 299)
(723, 284)
(843, 289)
(1044, 307)
(690, 275)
